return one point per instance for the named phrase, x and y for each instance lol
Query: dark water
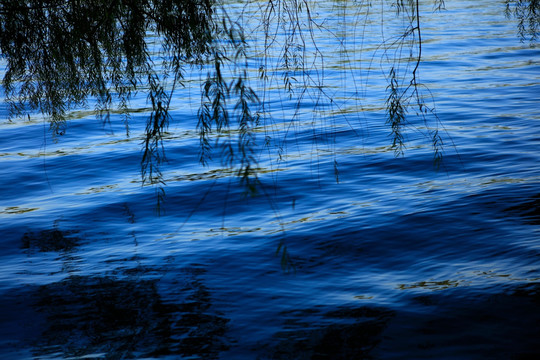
(394, 261)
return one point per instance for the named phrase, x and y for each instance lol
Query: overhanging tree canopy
(59, 54)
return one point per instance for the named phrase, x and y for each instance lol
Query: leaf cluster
(61, 53)
(527, 13)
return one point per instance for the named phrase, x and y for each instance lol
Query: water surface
(393, 259)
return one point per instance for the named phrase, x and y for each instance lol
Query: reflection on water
(125, 318)
(345, 333)
(442, 326)
(50, 240)
(392, 259)
(432, 285)
(529, 210)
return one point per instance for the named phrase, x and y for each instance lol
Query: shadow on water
(158, 312)
(528, 210)
(504, 325)
(50, 240)
(344, 333)
(126, 314)
(104, 316)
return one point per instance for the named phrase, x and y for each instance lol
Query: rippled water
(394, 260)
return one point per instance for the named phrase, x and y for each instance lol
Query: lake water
(396, 260)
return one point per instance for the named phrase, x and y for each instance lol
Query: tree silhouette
(61, 54)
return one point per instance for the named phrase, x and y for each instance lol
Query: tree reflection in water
(119, 318)
(50, 240)
(118, 315)
(132, 314)
(345, 333)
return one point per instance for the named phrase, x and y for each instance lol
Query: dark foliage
(122, 318)
(61, 55)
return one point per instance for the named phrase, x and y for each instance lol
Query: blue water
(394, 259)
